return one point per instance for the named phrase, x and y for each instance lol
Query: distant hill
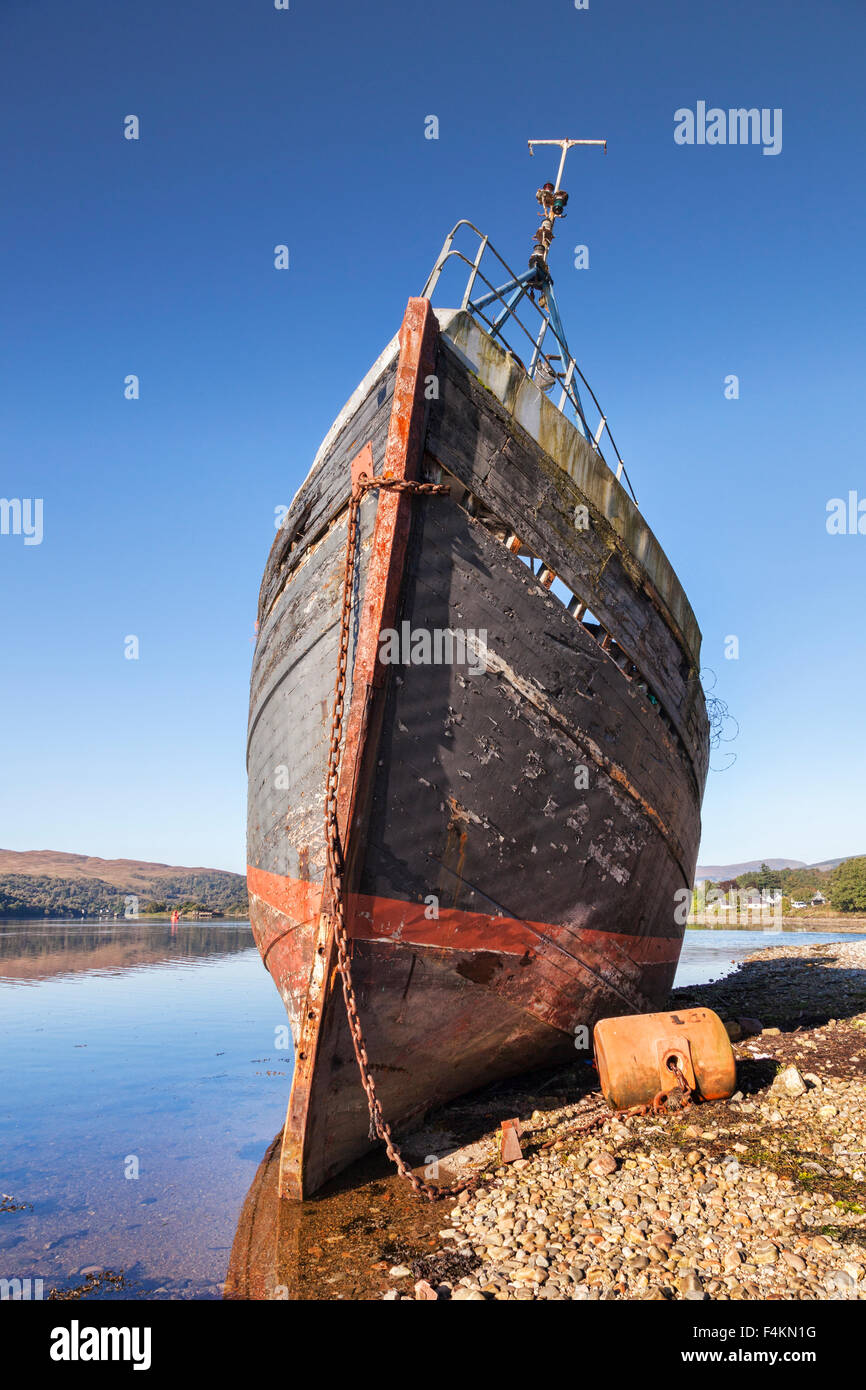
(833, 863)
(715, 872)
(52, 883)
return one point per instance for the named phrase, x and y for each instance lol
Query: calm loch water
(708, 954)
(140, 1086)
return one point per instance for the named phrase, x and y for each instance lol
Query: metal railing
(546, 368)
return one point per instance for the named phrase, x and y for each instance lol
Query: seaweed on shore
(445, 1266)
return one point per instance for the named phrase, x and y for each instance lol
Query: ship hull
(520, 790)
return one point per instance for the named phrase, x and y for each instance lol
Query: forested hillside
(72, 886)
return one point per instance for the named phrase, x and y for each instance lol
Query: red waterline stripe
(392, 919)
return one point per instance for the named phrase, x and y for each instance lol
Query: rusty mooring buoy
(642, 1055)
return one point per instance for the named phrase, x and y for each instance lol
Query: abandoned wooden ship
(525, 741)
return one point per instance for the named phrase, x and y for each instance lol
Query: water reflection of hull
(338, 1246)
(38, 951)
(252, 1264)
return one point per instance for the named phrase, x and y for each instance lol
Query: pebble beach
(759, 1197)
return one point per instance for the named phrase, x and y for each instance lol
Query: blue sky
(306, 127)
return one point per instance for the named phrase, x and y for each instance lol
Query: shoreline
(852, 923)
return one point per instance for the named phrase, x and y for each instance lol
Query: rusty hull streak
(403, 454)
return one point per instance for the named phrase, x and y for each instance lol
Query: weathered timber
(515, 833)
(464, 578)
(472, 435)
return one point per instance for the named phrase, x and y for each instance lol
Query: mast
(554, 200)
(538, 280)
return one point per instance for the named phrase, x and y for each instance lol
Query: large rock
(789, 1082)
(604, 1165)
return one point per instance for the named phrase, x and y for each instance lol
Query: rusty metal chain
(661, 1099)
(598, 1113)
(687, 1094)
(335, 866)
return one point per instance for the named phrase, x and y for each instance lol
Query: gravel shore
(763, 1196)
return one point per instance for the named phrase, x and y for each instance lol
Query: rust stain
(455, 852)
(454, 857)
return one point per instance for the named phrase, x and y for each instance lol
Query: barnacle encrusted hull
(521, 777)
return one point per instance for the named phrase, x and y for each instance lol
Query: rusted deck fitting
(509, 1141)
(644, 1056)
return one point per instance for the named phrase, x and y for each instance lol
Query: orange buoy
(640, 1055)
